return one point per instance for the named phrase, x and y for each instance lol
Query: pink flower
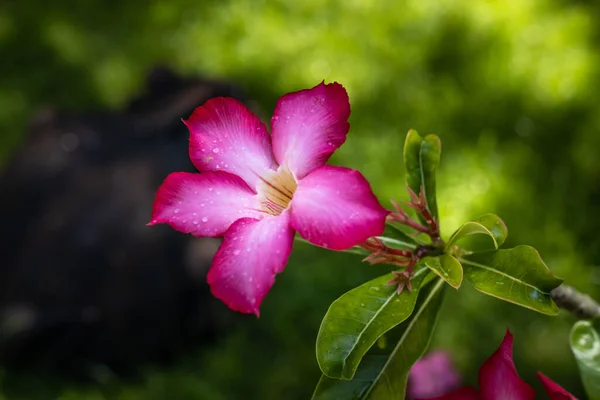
(555, 392)
(499, 380)
(257, 189)
(433, 375)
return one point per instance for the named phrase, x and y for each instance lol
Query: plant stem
(579, 304)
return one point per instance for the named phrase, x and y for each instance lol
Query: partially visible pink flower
(257, 189)
(555, 392)
(499, 380)
(433, 375)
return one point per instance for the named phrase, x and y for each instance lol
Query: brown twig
(579, 304)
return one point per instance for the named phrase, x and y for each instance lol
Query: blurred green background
(511, 87)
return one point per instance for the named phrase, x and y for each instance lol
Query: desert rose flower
(555, 392)
(433, 375)
(257, 189)
(499, 380)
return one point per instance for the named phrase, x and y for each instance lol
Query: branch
(579, 304)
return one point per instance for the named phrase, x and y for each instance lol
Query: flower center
(277, 189)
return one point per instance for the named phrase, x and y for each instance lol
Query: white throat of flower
(277, 189)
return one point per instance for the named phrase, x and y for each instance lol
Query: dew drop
(204, 219)
(216, 150)
(176, 211)
(195, 222)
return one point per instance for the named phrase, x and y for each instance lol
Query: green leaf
(394, 231)
(517, 275)
(585, 343)
(486, 234)
(383, 371)
(421, 159)
(353, 250)
(496, 226)
(446, 267)
(358, 318)
(484, 239)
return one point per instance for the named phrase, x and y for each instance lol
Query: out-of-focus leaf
(384, 370)
(446, 267)
(585, 343)
(358, 318)
(517, 275)
(481, 239)
(421, 159)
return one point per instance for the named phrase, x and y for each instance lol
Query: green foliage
(495, 226)
(585, 344)
(356, 320)
(446, 267)
(421, 159)
(384, 370)
(517, 275)
(395, 232)
(486, 242)
(359, 318)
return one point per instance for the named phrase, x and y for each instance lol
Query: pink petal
(464, 393)
(226, 136)
(498, 377)
(334, 207)
(433, 375)
(555, 391)
(252, 253)
(308, 126)
(203, 204)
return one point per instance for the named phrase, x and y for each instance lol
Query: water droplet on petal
(204, 219)
(176, 211)
(216, 150)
